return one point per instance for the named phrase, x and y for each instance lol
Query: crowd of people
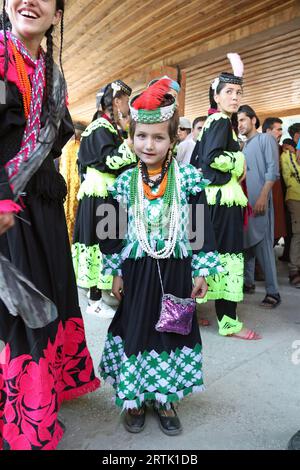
(140, 162)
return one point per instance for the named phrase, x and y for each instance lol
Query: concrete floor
(251, 401)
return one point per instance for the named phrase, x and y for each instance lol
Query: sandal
(250, 335)
(295, 280)
(271, 301)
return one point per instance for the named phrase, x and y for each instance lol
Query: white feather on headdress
(236, 64)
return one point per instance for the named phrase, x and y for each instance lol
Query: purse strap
(160, 278)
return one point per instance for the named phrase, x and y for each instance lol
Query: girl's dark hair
(107, 105)
(5, 24)
(173, 122)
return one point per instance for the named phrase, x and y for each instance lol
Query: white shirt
(185, 149)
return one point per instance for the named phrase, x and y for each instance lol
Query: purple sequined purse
(176, 314)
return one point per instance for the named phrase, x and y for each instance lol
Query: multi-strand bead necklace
(170, 211)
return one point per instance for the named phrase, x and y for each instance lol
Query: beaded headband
(153, 116)
(116, 86)
(238, 71)
(146, 108)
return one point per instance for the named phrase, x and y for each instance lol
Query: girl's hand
(117, 287)
(6, 221)
(200, 288)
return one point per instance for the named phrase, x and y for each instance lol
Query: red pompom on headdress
(152, 97)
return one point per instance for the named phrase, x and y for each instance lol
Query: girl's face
(151, 143)
(229, 98)
(31, 19)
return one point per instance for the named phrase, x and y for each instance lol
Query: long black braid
(60, 5)
(212, 102)
(62, 25)
(111, 110)
(107, 104)
(49, 70)
(5, 26)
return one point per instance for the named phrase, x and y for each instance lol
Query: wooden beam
(241, 37)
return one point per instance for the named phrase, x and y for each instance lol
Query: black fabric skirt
(93, 236)
(89, 227)
(86, 221)
(228, 227)
(39, 368)
(140, 362)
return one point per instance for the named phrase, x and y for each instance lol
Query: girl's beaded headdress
(238, 71)
(147, 107)
(173, 84)
(115, 86)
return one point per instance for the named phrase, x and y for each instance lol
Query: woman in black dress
(41, 367)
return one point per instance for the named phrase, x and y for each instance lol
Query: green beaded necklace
(168, 197)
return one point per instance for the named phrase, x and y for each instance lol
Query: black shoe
(135, 422)
(294, 442)
(170, 425)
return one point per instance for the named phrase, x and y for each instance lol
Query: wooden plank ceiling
(110, 39)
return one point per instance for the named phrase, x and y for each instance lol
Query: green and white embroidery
(206, 264)
(100, 122)
(112, 265)
(125, 157)
(95, 184)
(228, 284)
(231, 194)
(192, 182)
(87, 263)
(164, 377)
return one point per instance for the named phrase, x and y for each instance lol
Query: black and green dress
(218, 154)
(102, 156)
(140, 362)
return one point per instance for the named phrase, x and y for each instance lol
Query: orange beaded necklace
(162, 187)
(23, 79)
(154, 172)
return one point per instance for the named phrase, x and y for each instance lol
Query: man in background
(262, 158)
(188, 136)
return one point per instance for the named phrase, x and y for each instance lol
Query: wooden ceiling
(130, 39)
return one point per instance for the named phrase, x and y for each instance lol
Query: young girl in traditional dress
(141, 363)
(39, 368)
(102, 156)
(218, 155)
